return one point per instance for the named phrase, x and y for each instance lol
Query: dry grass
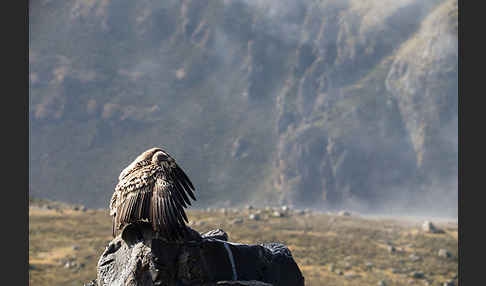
(354, 248)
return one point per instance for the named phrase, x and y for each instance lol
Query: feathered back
(152, 188)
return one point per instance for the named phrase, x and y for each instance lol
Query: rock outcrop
(139, 257)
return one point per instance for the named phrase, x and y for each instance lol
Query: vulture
(153, 189)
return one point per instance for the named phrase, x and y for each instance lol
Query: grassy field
(330, 249)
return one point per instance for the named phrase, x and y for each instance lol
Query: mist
(322, 104)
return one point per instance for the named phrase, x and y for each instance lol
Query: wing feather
(154, 193)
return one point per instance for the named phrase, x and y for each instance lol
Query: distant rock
(417, 274)
(351, 275)
(236, 221)
(381, 283)
(429, 227)
(344, 213)
(414, 257)
(299, 212)
(444, 253)
(277, 214)
(254, 216)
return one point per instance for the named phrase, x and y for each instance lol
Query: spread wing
(154, 194)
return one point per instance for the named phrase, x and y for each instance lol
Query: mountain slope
(321, 103)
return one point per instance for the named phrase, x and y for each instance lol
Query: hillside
(336, 103)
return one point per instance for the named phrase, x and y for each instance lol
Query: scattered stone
(351, 275)
(299, 212)
(254, 217)
(381, 283)
(347, 265)
(417, 274)
(277, 214)
(444, 253)
(429, 227)
(344, 213)
(414, 257)
(237, 221)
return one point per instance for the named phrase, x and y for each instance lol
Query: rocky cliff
(317, 103)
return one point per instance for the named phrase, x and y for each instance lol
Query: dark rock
(140, 257)
(237, 283)
(216, 234)
(418, 274)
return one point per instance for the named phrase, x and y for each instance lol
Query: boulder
(138, 256)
